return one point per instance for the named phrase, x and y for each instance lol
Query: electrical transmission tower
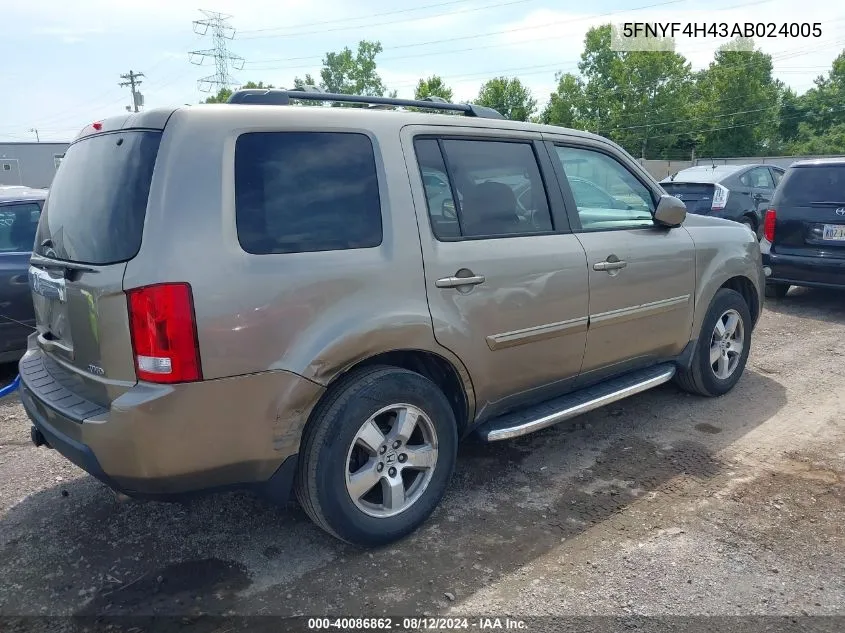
(216, 25)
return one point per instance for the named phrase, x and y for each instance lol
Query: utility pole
(217, 25)
(37, 138)
(132, 80)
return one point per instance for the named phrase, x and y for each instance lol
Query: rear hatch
(698, 197)
(809, 212)
(91, 226)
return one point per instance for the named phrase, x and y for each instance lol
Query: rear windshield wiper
(40, 261)
(828, 203)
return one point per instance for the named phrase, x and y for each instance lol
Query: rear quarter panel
(724, 250)
(314, 314)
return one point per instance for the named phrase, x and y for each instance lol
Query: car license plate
(835, 232)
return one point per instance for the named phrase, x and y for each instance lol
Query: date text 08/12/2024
(721, 29)
(417, 624)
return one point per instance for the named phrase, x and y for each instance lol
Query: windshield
(98, 200)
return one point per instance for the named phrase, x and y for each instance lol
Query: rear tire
(722, 348)
(776, 290)
(364, 476)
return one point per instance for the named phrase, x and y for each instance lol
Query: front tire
(377, 455)
(722, 349)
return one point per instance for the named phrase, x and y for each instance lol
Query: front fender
(724, 251)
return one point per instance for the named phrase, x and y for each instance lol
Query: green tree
(808, 141)
(737, 103)
(509, 97)
(654, 87)
(636, 97)
(223, 94)
(346, 72)
(434, 86)
(566, 104)
(824, 104)
(598, 68)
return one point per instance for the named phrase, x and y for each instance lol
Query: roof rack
(263, 96)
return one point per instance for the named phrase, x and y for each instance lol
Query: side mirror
(670, 211)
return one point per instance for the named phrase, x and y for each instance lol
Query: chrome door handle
(457, 282)
(609, 265)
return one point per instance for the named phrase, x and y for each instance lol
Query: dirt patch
(663, 504)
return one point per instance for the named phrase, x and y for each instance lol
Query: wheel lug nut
(397, 444)
(392, 472)
(382, 450)
(380, 467)
(403, 458)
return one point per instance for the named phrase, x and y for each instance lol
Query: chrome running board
(552, 412)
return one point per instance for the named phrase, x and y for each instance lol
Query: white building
(30, 164)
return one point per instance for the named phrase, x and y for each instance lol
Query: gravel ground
(662, 504)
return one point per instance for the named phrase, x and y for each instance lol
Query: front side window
(492, 188)
(306, 191)
(607, 195)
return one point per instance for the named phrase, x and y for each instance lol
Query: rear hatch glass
(98, 199)
(91, 225)
(698, 197)
(810, 207)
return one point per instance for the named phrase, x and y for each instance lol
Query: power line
(360, 17)
(742, 125)
(484, 7)
(221, 32)
(453, 51)
(502, 32)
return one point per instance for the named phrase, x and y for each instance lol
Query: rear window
(306, 191)
(803, 186)
(98, 199)
(18, 222)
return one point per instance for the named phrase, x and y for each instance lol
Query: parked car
(20, 208)
(804, 232)
(736, 192)
(254, 295)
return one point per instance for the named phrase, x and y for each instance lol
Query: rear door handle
(609, 265)
(457, 282)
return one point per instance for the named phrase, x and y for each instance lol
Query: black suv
(735, 192)
(804, 229)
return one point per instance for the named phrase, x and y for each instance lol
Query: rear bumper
(165, 442)
(821, 272)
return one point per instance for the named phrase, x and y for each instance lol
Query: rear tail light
(720, 198)
(769, 225)
(164, 333)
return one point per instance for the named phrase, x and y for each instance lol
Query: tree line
(651, 102)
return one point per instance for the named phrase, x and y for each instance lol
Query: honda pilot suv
(327, 299)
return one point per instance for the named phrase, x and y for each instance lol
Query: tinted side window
(778, 175)
(441, 204)
(18, 223)
(306, 191)
(497, 188)
(607, 195)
